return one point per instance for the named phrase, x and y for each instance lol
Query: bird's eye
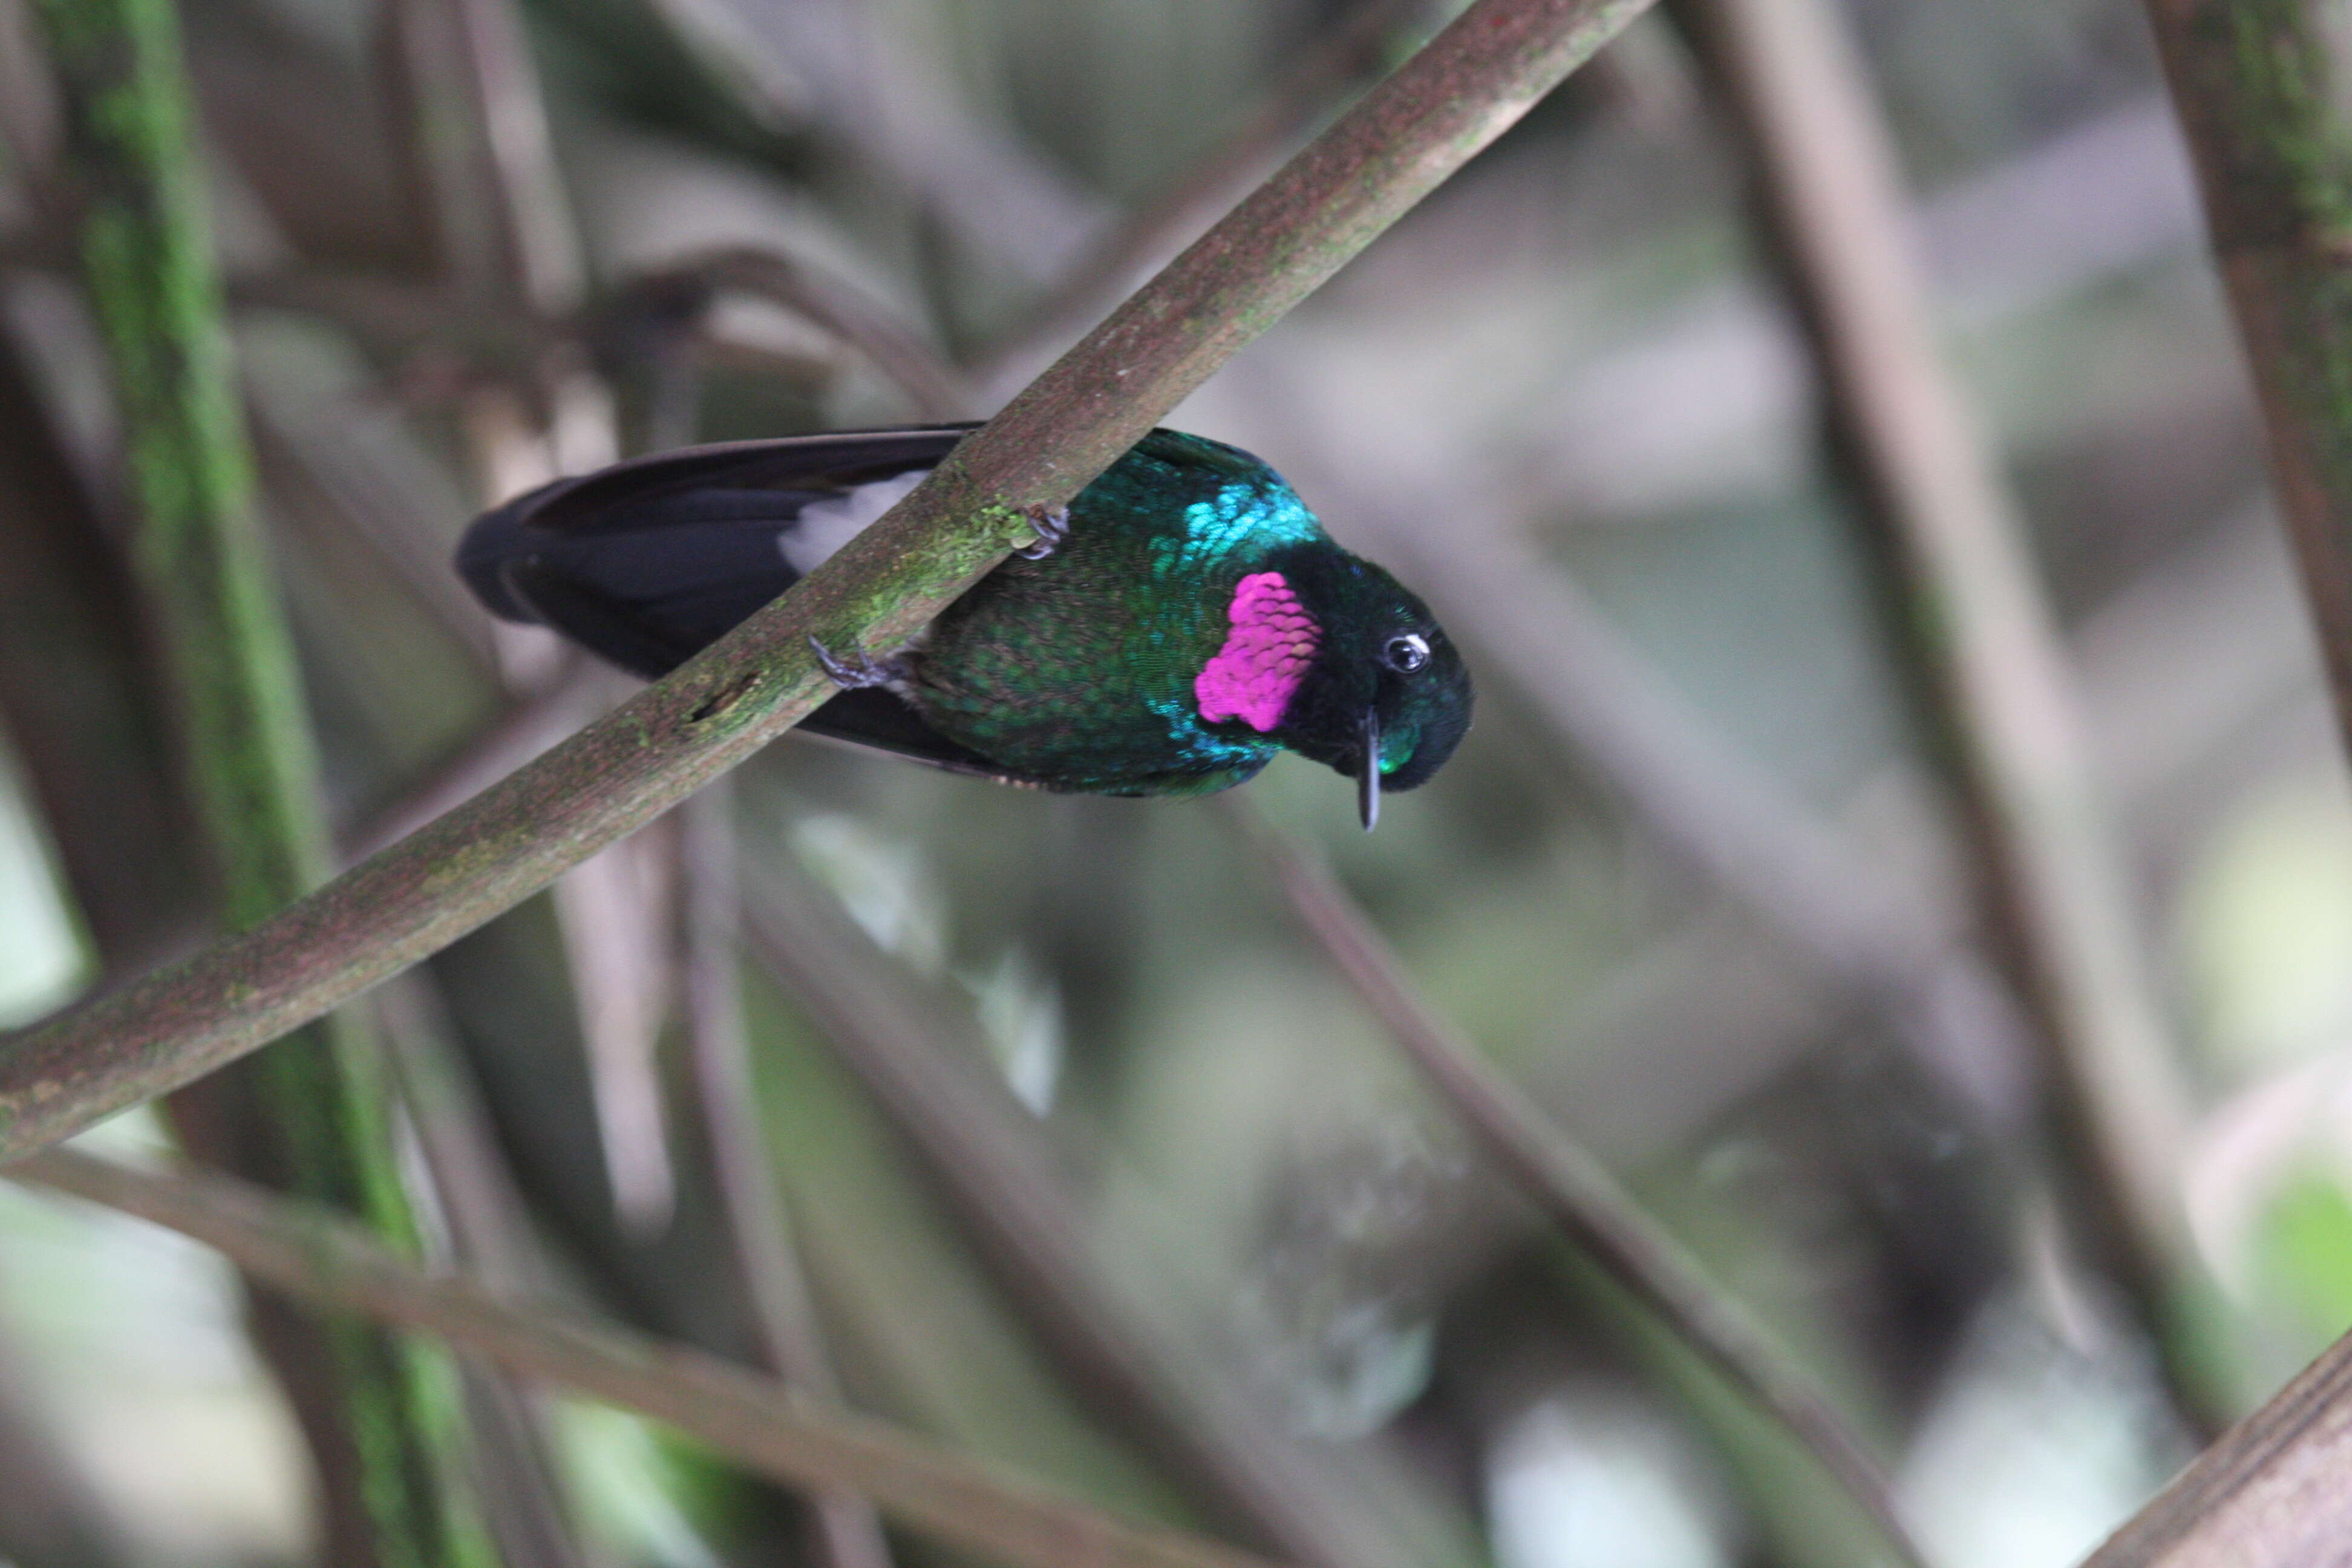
(1407, 653)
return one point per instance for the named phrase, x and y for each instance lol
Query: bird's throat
(1264, 658)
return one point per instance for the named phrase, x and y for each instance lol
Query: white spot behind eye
(1407, 653)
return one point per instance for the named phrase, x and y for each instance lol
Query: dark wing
(648, 562)
(673, 546)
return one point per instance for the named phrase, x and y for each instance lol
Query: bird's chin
(1345, 761)
(1348, 752)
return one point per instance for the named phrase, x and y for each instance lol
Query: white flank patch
(825, 526)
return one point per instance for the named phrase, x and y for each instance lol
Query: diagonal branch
(2273, 1491)
(751, 1418)
(996, 1174)
(1360, 47)
(758, 1225)
(308, 1116)
(1847, 915)
(834, 306)
(1960, 588)
(1456, 96)
(1563, 1180)
(2259, 86)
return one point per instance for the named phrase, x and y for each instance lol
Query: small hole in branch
(723, 699)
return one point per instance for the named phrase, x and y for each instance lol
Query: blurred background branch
(758, 1227)
(1961, 593)
(1088, 1162)
(2256, 87)
(992, 1169)
(308, 1117)
(1125, 253)
(750, 1417)
(623, 771)
(1575, 1190)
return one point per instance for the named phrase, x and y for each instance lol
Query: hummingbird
(1184, 619)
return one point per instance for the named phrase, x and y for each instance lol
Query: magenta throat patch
(1264, 658)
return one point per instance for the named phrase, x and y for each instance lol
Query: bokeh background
(1086, 1158)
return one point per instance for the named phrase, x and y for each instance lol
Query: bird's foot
(1053, 527)
(857, 672)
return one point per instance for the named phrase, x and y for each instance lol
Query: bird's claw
(1053, 527)
(855, 671)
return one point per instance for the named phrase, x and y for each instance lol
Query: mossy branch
(2259, 88)
(1403, 139)
(308, 1115)
(748, 1417)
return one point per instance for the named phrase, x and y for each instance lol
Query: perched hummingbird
(1186, 619)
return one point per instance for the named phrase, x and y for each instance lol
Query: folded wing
(649, 562)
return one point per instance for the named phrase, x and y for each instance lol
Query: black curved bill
(1368, 778)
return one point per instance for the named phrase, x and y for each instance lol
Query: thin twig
(95, 749)
(1472, 82)
(996, 1171)
(482, 170)
(759, 1229)
(524, 1500)
(482, 1209)
(2258, 86)
(1847, 916)
(308, 1116)
(1121, 257)
(932, 386)
(1574, 1189)
(1964, 598)
(614, 909)
(752, 1419)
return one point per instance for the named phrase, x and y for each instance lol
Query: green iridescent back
(1139, 593)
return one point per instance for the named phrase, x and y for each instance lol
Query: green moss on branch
(1395, 146)
(308, 1114)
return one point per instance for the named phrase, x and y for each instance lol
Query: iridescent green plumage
(1094, 668)
(1079, 667)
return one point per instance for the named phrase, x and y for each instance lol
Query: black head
(1387, 683)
